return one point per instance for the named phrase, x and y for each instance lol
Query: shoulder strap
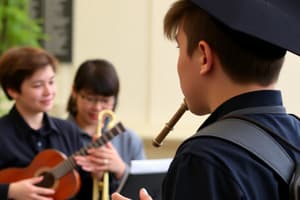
(255, 140)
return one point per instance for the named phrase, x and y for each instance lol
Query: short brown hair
(17, 64)
(244, 58)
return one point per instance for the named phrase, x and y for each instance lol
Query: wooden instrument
(57, 169)
(157, 142)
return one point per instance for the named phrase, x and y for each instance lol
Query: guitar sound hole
(48, 180)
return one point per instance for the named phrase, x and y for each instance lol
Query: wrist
(120, 173)
(10, 192)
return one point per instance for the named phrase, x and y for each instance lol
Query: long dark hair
(98, 77)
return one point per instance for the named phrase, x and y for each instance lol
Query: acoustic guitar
(57, 169)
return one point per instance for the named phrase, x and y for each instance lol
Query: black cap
(274, 21)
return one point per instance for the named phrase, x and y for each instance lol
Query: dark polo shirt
(212, 169)
(19, 144)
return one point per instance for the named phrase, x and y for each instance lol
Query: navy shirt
(211, 168)
(20, 144)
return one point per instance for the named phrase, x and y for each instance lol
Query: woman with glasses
(96, 88)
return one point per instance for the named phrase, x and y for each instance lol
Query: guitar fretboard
(69, 164)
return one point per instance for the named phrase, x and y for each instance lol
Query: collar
(48, 124)
(246, 100)
(82, 133)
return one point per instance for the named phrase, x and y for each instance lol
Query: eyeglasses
(103, 100)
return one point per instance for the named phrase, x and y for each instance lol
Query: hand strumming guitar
(27, 190)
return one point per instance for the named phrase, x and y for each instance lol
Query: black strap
(254, 139)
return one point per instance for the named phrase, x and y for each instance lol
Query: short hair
(96, 76)
(244, 58)
(20, 63)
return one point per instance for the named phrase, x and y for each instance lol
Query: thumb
(118, 196)
(109, 144)
(35, 180)
(144, 195)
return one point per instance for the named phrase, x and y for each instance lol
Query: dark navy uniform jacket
(213, 169)
(19, 145)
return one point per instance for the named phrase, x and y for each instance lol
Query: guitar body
(66, 186)
(57, 170)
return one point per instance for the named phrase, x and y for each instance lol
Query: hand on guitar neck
(53, 170)
(105, 158)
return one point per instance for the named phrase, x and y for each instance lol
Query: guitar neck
(69, 164)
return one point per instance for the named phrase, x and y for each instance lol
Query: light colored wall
(129, 33)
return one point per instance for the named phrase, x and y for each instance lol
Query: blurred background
(129, 33)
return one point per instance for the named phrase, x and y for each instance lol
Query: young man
(230, 56)
(27, 76)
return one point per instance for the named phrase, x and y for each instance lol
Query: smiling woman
(95, 90)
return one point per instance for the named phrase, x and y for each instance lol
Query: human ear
(206, 57)
(12, 93)
(73, 93)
